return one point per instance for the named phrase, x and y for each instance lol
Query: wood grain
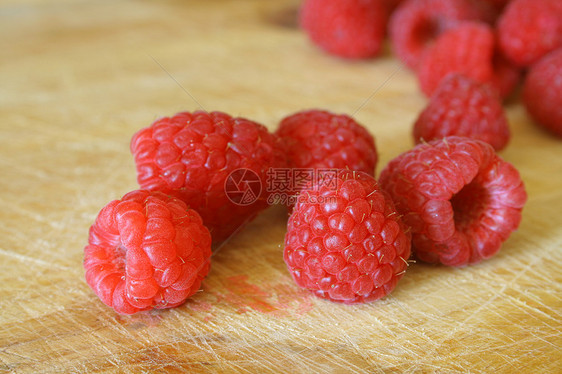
(78, 78)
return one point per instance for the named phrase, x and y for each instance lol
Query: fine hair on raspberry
(461, 200)
(344, 241)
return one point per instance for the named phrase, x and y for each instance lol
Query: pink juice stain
(279, 299)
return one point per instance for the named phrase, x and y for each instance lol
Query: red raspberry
(464, 107)
(323, 140)
(542, 92)
(344, 240)
(529, 29)
(467, 49)
(416, 23)
(191, 156)
(346, 28)
(145, 251)
(460, 199)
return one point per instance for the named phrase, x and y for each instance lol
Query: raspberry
(145, 251)
(323, 140)
(542, 92)
(345, 28)
(191, 156)
(464, 107)
(344, 240)
(529, 29)
(467, 49)
(460, 199)
(416, 23)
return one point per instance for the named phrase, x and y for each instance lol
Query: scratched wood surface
(78, 78)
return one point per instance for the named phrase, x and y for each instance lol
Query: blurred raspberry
(529, 29)
(461, 106)
(466, 49)
(346, 28)
(470, 49)
(415, 24)
(542, 92)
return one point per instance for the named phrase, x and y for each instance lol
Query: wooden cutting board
(79, 78)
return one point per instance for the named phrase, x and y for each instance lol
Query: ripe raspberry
(460, 199)
(463, 107)
(145, 251)
(346, 28)
(344, 240)
(323, 140)
(416, 23)
(191, 156)
(542, 92)
(529, 29)
(467, 49)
